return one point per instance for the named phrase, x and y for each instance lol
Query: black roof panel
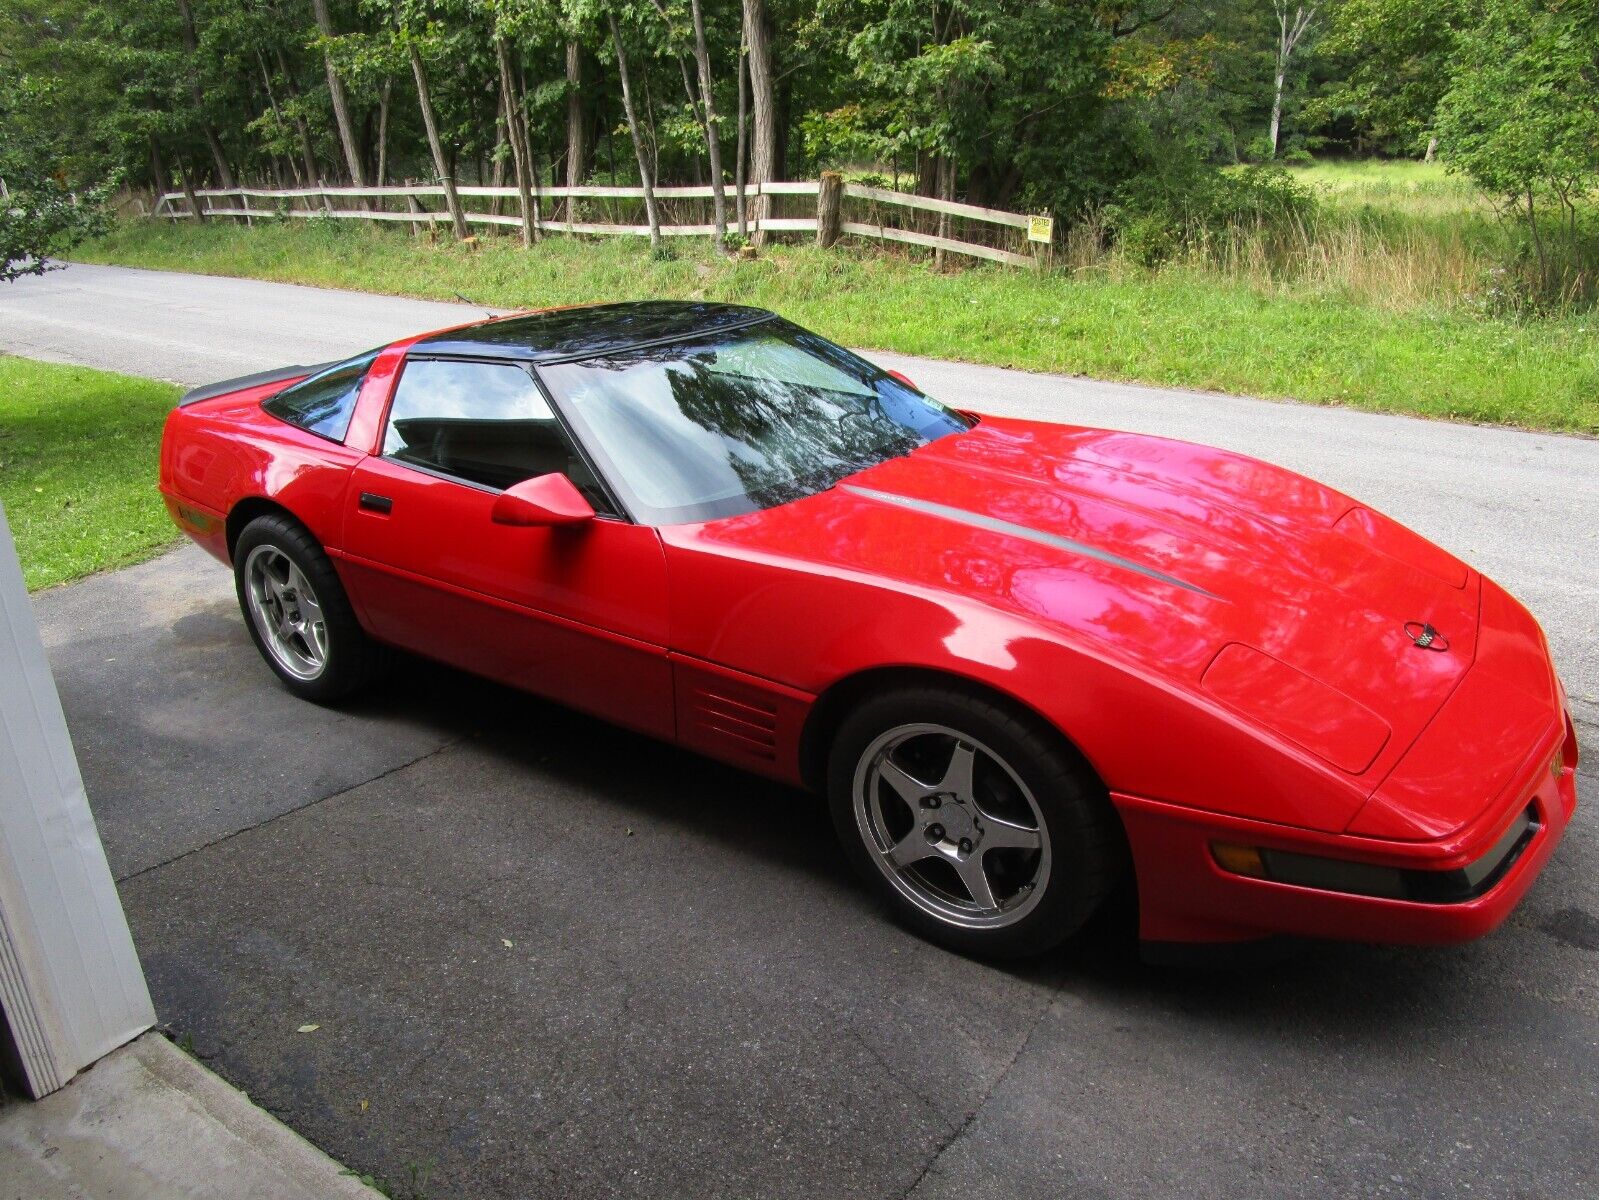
(567, 333)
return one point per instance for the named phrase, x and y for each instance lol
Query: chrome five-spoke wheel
(951, 825)
(286, 612)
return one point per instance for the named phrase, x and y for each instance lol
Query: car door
(576, 613)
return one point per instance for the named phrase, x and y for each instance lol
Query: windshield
(738, 420)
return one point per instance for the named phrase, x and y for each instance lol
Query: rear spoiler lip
(226, 386)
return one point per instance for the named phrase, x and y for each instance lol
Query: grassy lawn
(1420, 188)
(78, 455)
(1185, 326)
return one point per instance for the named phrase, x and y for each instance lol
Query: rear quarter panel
(216, 453)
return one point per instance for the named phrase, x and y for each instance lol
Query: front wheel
(297, 612)
(975, 822)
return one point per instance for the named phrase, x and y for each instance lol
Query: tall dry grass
(1393, 265)
(1391, 261)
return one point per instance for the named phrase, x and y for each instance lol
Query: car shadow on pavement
(771, 825)
(547, 955)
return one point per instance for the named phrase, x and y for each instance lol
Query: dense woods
(1133, 114)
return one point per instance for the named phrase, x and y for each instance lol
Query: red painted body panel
(1223, 639)
(1185, 897)
(577, 614)
(219, 452)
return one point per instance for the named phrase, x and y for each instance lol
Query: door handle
(372, 502)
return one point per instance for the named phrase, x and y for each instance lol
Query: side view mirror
(543, 500)
(905, 379)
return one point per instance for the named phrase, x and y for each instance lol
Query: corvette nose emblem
(1424, 637)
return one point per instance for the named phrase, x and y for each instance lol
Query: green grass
(1418, 188)
(78, 460)
(1185, 326)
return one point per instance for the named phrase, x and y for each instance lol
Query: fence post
(829, 208)
(244, 203)
(412, 206)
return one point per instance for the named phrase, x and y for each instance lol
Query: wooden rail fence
(828, 208)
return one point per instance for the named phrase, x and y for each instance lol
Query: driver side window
(485, 423)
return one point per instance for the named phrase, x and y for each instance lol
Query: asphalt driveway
(548, 957)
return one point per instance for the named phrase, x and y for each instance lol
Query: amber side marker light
(1388, 883)
(1240, 860)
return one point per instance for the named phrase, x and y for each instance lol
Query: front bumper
(1185, 896)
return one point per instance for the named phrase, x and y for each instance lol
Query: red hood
(1174, 558)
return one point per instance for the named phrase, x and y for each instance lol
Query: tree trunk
(383, 133)
(713, 140)
(741, 164)
(946, 191)
(638, 142)
(277, 114)
(1432, 150)
(158, 173)
(514, 131)
(307, 151)
(1289, 33)
(213, 143)
(531, 161)
(576, 129)
(425, 99)
(199, 216)
(502, 123)
(1537, 240)
(1277, 108)
(763, 102)
(341, 106)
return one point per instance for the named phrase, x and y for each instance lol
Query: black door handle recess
(375, 503)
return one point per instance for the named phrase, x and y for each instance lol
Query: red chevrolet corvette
(1025, 662)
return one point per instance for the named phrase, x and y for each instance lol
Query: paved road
(1522, 507)
(696, 998)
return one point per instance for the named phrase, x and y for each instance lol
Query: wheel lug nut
(931, 802)
(936, 832)
(966, 845)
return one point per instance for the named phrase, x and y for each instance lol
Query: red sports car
(1025, 662)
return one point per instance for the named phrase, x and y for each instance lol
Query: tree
(413, 28)
(1521, 115)
(1289, 32)
(576, 125)
(39, 214)
(713, 144)
(763, 104)
(635, 132)
(341, 103)
(1395, 65)
(213, 143)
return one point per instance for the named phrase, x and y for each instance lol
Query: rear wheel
(297, 612)
(974, 821)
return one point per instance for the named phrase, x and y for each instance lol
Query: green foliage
(1180, 203)
(1127, 112)
(1396, 65)
(40, 213)
(1521, 116)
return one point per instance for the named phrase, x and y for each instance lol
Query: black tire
(1084, 854)
(348, 660)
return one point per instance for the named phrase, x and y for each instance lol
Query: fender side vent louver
(750, 728)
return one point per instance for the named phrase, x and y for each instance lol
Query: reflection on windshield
(741, 420)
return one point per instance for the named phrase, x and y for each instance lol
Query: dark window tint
(728, 423)
(487, 423)
(325, 402)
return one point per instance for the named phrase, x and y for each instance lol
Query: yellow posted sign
(1040, 229)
